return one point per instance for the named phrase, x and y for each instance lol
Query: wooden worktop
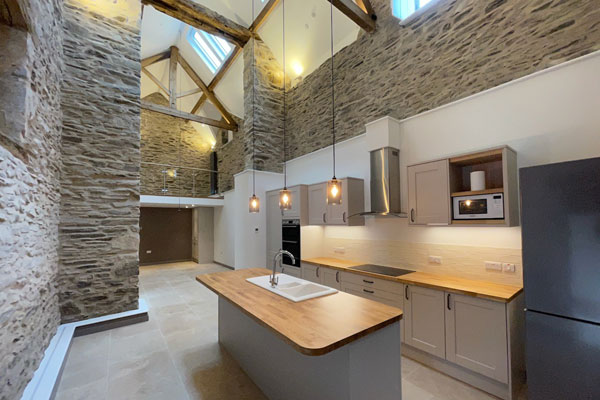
(482, 289)
(313, 327)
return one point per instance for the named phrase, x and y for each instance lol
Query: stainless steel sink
(381, 270)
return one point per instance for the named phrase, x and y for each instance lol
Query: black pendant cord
(253, 110)
(284, 103)
(332, 93)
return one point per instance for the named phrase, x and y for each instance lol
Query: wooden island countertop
(313, 327)
(469, 287)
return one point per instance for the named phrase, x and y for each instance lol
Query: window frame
(415, 14)
(215, 54)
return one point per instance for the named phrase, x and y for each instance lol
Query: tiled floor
(176, 354)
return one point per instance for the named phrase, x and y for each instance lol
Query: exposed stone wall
(99, 226)
(231, 157)
(455, 49)
(172, 141)
(267, 75)
(30, 130)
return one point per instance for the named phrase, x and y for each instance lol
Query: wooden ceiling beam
(366, 6)
(173, 77)
(189, 93)
(263, 15)
(203, 18)
(209, 93)
(146, 62)
(350, 9)
(156, 81)
(187, 116)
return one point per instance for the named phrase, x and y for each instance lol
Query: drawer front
(372, 283)
(391, 299)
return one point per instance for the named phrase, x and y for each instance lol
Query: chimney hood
(383, 140)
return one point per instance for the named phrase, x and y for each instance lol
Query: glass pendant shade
(334, 192)
(254, 205)
(285, 199)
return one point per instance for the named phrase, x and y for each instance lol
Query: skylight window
(212, 49)
(404, 8)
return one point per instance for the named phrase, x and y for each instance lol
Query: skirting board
(43, 384)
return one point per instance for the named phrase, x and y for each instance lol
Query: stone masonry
(172, 141)
(30, 130)
(454, 49)
(99, 224)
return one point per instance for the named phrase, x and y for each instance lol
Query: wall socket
(148, 251)
(435, 259)
(339, 250)
(493, 266)
(509, 267)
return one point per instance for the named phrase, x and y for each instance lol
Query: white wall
(224, 225)
(240, 237)
(547, 117)
(203, 234)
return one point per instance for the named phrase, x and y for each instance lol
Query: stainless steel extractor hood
(385, 183)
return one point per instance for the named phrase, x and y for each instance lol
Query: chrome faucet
(273, 279)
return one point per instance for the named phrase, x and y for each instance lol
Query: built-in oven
(290, 241)
(484, 206)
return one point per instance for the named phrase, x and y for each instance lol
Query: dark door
(214, 175)
(560, 208)
(563, 358)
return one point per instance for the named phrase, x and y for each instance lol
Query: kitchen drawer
(373, 283)
(371, 293)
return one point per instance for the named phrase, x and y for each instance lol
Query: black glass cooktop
(382, 270)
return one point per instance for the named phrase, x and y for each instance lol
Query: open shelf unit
(500, 167)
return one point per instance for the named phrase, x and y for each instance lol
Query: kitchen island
(337, 346)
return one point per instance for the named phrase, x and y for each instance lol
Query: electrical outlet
(339, 250)
(509, 267)
(435, 259)
(493, 266)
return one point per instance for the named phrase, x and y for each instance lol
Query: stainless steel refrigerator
(560, 220)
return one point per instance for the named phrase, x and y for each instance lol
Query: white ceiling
(307, 43)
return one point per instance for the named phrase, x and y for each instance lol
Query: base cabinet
(330, 277)
(476, 335)
(293, 271)
(311, 273)
(424, 320)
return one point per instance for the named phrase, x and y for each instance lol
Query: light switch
(148, 251)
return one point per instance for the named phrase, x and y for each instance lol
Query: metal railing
(161, 179)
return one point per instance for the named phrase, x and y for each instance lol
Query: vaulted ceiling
(307, 44)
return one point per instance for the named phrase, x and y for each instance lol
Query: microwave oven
(484, 206)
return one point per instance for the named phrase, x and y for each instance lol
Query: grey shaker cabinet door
(476, 335)
(429, 193)
(317, 204)
(424, 320)
(331, 277)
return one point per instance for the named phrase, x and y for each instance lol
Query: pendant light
(334, 186)
(254, 203)
(285, 196)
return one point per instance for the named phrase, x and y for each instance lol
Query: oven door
(290, 241)
(489, 206)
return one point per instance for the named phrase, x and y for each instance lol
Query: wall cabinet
(476, 335)
(317, 204)
(353, 202)
(299, 209)
(429, 193)
(424, 320)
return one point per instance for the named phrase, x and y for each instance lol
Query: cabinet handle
(324, 219)
(368, 291)
(366, 281)
(344, 216)
(406, 292)
(318, 271)
(337, 276)
(449, 308)
(412, 215)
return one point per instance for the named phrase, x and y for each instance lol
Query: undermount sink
(292, 288)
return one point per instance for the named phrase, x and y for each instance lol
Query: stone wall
(99, 226)
(231, 157)
(172, 141)
(30, 130)
(454, 49)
